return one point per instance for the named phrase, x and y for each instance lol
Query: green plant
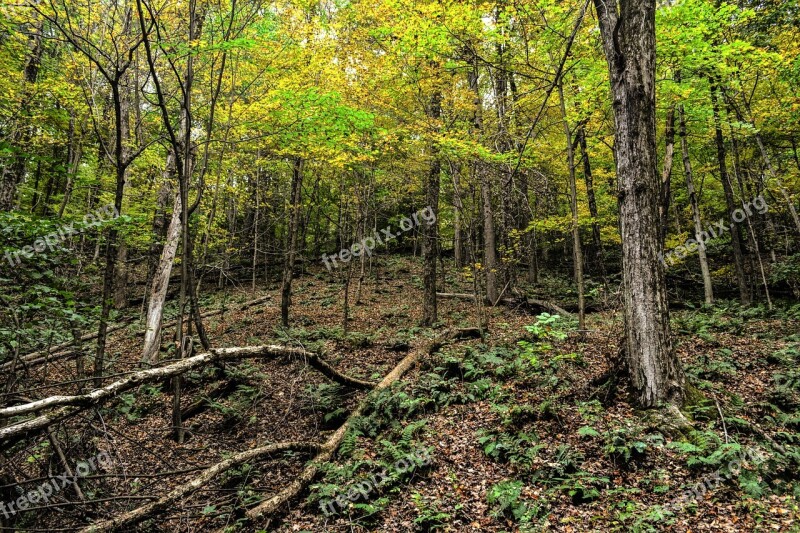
(582, 487)
(547, 326)
(518, 449)
(625, 445)
(506, 501)
(328, 399)
(429, 515)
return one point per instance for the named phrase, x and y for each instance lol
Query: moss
(692, 397)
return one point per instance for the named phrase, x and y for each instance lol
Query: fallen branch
(59, 351)
(456, 295)
(329, 447)
(71, 405)
(541, 304)
(126, 520)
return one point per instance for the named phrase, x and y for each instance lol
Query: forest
(403, 265)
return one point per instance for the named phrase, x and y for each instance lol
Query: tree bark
(629, 43)
(160, 284)
(160, 226)
(487, 214)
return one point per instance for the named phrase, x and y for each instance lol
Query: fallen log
(70, 405)
(329, 447)
(456, 295)
(550, 306)
(57, 352)
(324, 453)
(126, 520)
(541, 304)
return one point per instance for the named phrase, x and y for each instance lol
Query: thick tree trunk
(693, 201)
(160, 225)
(655, 371)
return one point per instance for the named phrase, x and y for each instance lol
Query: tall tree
(628, 37)
(292, 231)
(430, 237)
(577, 249)
(693, 202)
(730, 202)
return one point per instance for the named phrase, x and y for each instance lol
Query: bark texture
(629, 43)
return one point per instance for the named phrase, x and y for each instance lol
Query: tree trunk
(430, 232)
(160, 225)
(693, 201)
(590, 194)
(489, 246)
(655, 371)
(121, 163)
(736, 236)
(160, 284)
(291, 240)
(577, 251)
(458, 207)
(666, 172)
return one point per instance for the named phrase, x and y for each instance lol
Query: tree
(628, 38)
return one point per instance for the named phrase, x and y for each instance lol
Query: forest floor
(517, 431)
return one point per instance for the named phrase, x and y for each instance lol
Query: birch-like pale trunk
(160, 284)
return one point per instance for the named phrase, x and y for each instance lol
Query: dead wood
(271, 505)
(71, 405)
(126, 520)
